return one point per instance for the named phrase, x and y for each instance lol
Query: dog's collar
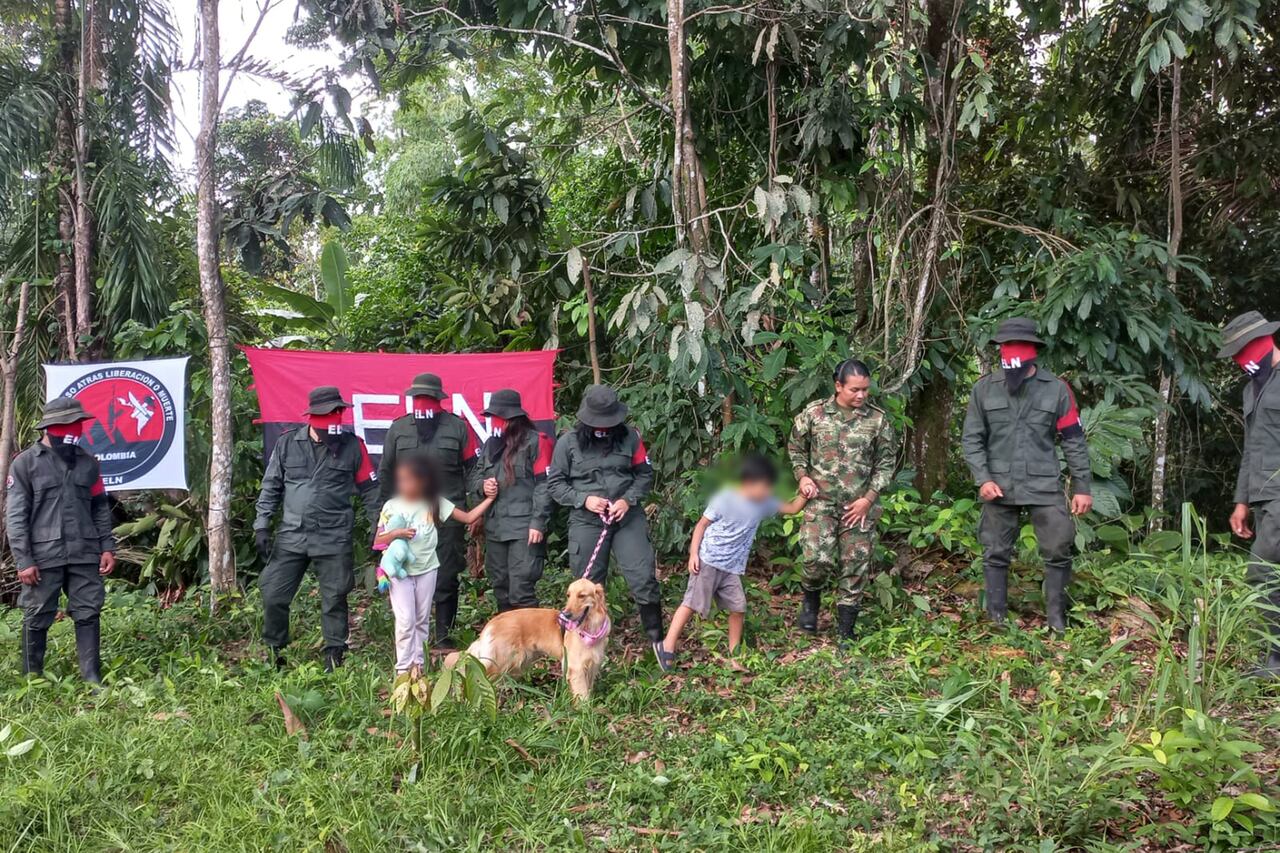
(589, 638)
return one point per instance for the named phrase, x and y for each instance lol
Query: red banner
(374, 384)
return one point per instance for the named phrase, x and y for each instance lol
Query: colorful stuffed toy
(396, 557)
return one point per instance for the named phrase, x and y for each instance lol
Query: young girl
(418, 499)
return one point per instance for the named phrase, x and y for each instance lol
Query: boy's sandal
(666, 660)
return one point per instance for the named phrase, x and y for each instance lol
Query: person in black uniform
(601, 471)
(313, 472)
(513, 466)
(59, 525)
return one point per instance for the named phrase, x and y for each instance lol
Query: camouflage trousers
(829, 548)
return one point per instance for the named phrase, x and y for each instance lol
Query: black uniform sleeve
(541, 513)
(101, 508)
(1074, 446)
(272, 487)
(17, 514)
(387, 463)
(560, 475)
(367, 484)
(1246, 464)
(973, 441)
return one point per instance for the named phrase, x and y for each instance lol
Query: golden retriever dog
(577, 635)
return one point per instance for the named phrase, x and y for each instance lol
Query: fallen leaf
(292, 725)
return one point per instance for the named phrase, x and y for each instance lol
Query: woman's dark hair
(757, 468)
(423, 469)
(514, 438)
(586, 435)
(850, 368)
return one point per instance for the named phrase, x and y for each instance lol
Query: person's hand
(491, 487)
(695, 565)
(476, 527)
(535, 536)
(855, 512)
(618, 509)
(262, 539)
(990, 491)
(106, 563)
(808, 487)
(596, 504)
(30, 575)
(1240, 522)
(1081, 504)
(403, 533)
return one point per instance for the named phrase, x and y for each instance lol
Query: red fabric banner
(374, 383)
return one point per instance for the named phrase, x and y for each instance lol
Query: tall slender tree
(222, 568)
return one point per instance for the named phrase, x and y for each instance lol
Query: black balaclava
(426, 412)
(63, 439)
(1018, 358)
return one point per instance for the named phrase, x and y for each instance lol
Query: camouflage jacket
(847, 452)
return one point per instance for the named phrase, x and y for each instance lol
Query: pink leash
(567, 622)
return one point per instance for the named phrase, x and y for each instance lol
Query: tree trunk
(688, 190)
(592, 348)
(62, 166)
(222, 568)
(931, 435)
(8, 396)
(83, 216)
(1160, 438)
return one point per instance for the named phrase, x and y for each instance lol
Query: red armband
(365, 471)
(546, 447)
(1069, 424)
(641, 456)
(97, 490)
(473, 446)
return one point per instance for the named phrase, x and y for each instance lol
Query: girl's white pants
(411, 603)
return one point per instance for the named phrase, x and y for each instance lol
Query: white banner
(138, 418)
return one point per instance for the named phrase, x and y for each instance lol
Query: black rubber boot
(1055, 598)
(446, 614)
(997, 594)
(333, 659)
(651, 621)
(846, 624)
(1269, 669)
(34, 643)
(88, 640)
(807, 621)
(278, 659)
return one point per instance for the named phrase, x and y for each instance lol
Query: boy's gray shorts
(712, 584)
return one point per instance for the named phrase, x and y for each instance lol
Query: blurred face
(408, 485)
(756, 490)
(854, 393)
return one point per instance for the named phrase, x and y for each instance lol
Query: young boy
(719, 549)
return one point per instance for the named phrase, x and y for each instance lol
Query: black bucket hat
(601, 408)
(426, 385)
(1239, 332)
(505, 404)
(1016, 329)
(62, 410)
(325, 399)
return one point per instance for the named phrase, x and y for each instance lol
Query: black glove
(262, 538)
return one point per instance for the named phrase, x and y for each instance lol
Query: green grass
(940, 733)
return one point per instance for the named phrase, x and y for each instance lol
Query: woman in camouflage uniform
(843, 453)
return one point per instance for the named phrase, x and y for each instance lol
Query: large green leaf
(333, 272)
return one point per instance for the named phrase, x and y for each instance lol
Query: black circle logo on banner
(132, 421)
